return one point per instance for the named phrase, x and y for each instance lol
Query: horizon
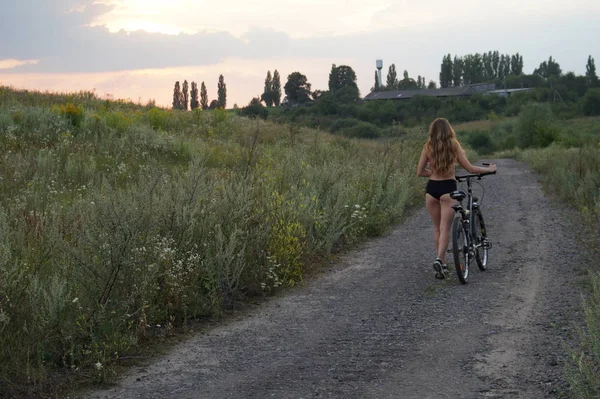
(140, 48)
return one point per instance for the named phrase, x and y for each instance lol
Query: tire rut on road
(381, 325)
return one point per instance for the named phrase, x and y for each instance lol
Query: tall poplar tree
(446, 71)
(186, 96)
(194, 103)
(392, 78)
(203, 96)
(590, 72)
(221, 92)
(457, 71)
(276, 88)
(267, 95)
(177, 96)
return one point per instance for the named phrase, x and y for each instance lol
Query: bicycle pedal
(487, 245)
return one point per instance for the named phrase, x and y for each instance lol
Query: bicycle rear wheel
(460, 249)
(481, 241)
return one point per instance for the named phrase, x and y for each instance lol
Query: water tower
(379, 64)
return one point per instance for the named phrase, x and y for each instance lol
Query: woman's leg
(446, 216)
(434, 209)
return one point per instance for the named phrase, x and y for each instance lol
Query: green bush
(536, 126)
(480, 141)
(159, 118)
(74, 114)
(591, 102)
(363, 130)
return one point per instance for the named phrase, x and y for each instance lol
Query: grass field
(119, 221)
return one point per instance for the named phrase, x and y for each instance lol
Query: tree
(472, 69)
(446, 71)
(297, 88)
(457, 71)
(488, 67)
(549, 68)
(222, 92)
(177, 96)
(495, 62)
(203, 96)
(214, 104)
(342, 84)
(377, 86)
(276, 88)
(501, 68)
(194, 96)
(186, 96)
(516, 64)
(267, 95)
(432, 85)
(407, 83)
(392, 78)
(590, 73)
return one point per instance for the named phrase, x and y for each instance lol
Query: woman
(441, 152)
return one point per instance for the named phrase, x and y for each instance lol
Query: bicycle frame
(467, 214)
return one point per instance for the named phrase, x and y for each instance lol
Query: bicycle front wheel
(481, 241)
(460, 249)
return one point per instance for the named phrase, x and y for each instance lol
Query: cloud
(75, 51)
(12, 63)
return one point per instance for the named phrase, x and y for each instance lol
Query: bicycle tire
(460, 249)
(480, 236)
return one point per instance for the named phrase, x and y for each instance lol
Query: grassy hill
(119, 221)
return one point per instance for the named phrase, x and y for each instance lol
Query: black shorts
(437, 188)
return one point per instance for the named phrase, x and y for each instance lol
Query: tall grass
(118, 223)
(574, 175)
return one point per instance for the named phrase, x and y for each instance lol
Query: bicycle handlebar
(472, 175)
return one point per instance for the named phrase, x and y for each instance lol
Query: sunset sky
(137, 49)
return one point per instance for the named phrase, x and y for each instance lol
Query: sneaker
(437, 266)
(445, 270)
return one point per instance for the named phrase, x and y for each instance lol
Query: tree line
(406, 83)
(185, 98)
(505, 70)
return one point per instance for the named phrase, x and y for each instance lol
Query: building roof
(511, 90)
(467, 90)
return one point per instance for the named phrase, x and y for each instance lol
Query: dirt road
(379, 325)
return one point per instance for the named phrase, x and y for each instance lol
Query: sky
(137, 49)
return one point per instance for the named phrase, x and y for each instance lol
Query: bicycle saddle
(458, 195)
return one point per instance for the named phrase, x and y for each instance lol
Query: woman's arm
(421, 171)
(464, 162)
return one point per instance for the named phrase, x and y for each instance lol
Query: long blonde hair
(442, 146)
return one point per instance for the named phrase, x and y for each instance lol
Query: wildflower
(98, 366)
(75, 300)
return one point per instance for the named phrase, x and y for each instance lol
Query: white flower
(75, 300)
(98, 366)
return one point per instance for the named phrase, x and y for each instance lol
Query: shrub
(117, 121)
(591, 102)
(363, 130)
(159, 118)
(536, 126)
(74, 114)
(480, 141)
(255, 110)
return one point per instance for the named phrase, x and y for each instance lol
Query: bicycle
(469, 236)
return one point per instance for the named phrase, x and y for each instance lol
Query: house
(460, 91)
